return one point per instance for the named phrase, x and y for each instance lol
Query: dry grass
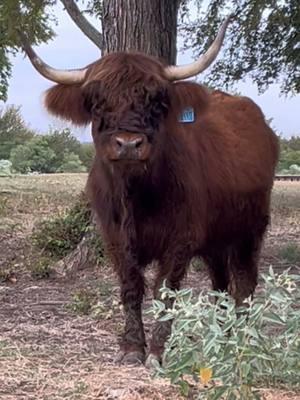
(38, 195)
(25, 200)
(48, 352)
(66, 357)
(285, 223)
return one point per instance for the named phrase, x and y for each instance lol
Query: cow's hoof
(152, 361)
(131, 358)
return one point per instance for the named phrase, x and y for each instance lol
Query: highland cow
(180, 172)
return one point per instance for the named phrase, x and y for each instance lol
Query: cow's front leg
(172, 270)
(132, 345)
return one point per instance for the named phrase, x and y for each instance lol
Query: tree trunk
(148, 26)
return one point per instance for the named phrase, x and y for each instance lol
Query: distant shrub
(35, 156)
(71, 163)
(21, 159)
(13, 130)
(59, 235)
(232, 353)
(5, 167)
(288, 160)
(87, 153)
(63, 143)
(294, 169)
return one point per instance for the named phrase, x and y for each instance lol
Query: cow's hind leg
(243, 267)
(246, 247)
(172, 270)
(217, 261)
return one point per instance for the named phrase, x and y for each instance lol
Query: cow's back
(229, 144)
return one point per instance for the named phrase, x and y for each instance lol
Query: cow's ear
(68, 102)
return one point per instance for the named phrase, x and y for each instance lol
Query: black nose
(125, 144)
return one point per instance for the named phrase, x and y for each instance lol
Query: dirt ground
(50, 352)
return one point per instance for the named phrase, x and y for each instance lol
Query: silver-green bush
(233, 352)
(5, 168)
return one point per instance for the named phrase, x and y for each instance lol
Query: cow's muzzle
(129, 147)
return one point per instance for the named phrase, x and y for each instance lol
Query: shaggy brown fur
(195, 189)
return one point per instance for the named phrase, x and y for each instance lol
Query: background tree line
(289, 161)
(59, 151)
(23, 150)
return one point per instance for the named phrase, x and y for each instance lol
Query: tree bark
(148, 26)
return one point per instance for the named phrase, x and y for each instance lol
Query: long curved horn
(56, 75)
(189, 70)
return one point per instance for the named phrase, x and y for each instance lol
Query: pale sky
(72, 49)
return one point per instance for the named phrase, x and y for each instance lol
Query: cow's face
(126, 123)
(125, 97)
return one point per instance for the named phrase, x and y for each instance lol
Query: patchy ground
(47, 350)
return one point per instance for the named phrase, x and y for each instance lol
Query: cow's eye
(97, 109)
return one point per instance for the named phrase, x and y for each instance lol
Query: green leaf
(272, 317)
(184, 388)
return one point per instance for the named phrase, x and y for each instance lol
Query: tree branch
(83, 24)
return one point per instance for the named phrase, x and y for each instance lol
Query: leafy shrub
(35, 155)
(21, 159)
(87, 153)
(233, 353)
(58, 236)
(62, 143)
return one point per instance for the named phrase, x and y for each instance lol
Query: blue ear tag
(187, 115)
